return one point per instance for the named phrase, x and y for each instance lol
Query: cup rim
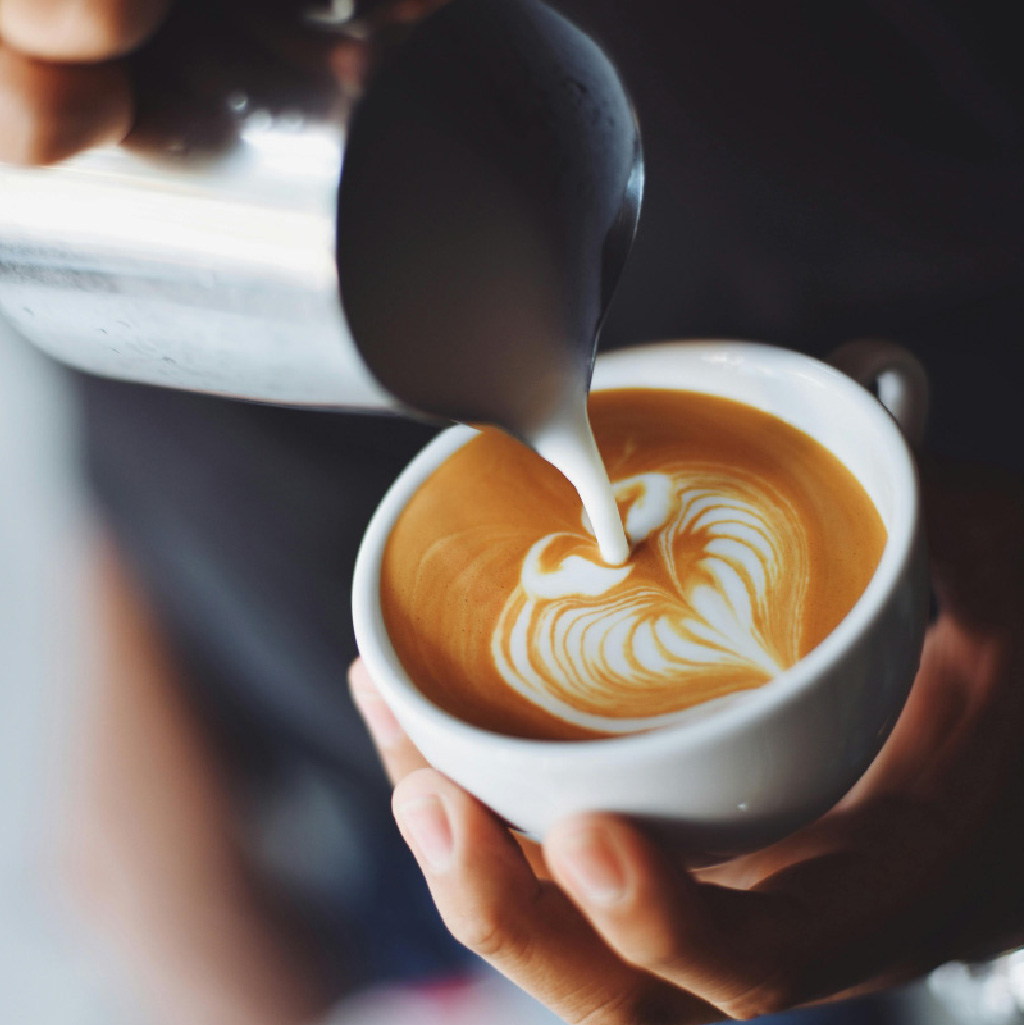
(394, 682)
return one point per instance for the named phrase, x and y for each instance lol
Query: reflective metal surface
(492, 182)
(215, 276)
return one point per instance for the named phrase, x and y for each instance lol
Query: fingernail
(425, 822)
(593, 867)
(380, 720)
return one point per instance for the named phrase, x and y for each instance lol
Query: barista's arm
(152, 851)
(919, 864)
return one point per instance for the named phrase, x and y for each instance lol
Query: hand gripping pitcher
(444, 246)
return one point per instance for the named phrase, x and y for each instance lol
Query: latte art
(606, 647)
(750, 542)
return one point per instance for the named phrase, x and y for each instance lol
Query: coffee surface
(750, 543)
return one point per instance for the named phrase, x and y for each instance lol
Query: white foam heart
(586, 641)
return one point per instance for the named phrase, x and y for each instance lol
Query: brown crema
(751, 542)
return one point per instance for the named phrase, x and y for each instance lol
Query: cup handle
(895, 375)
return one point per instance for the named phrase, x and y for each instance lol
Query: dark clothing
(816, 172)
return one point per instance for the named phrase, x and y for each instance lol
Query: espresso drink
(750, 543)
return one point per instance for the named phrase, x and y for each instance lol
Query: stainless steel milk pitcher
(491, 185)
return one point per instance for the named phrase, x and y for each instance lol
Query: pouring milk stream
(490, 181)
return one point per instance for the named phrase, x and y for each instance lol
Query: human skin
(917, 865)
(68, 80)
(61, 88)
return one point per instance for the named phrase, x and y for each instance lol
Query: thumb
(732, 948)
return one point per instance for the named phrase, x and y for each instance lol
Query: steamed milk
(750, 542)
(567, 442)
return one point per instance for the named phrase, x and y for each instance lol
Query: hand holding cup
(917, 865)
(746, 768)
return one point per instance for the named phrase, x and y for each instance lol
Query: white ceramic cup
(737, 776)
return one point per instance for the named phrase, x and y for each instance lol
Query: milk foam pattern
(710, 604)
